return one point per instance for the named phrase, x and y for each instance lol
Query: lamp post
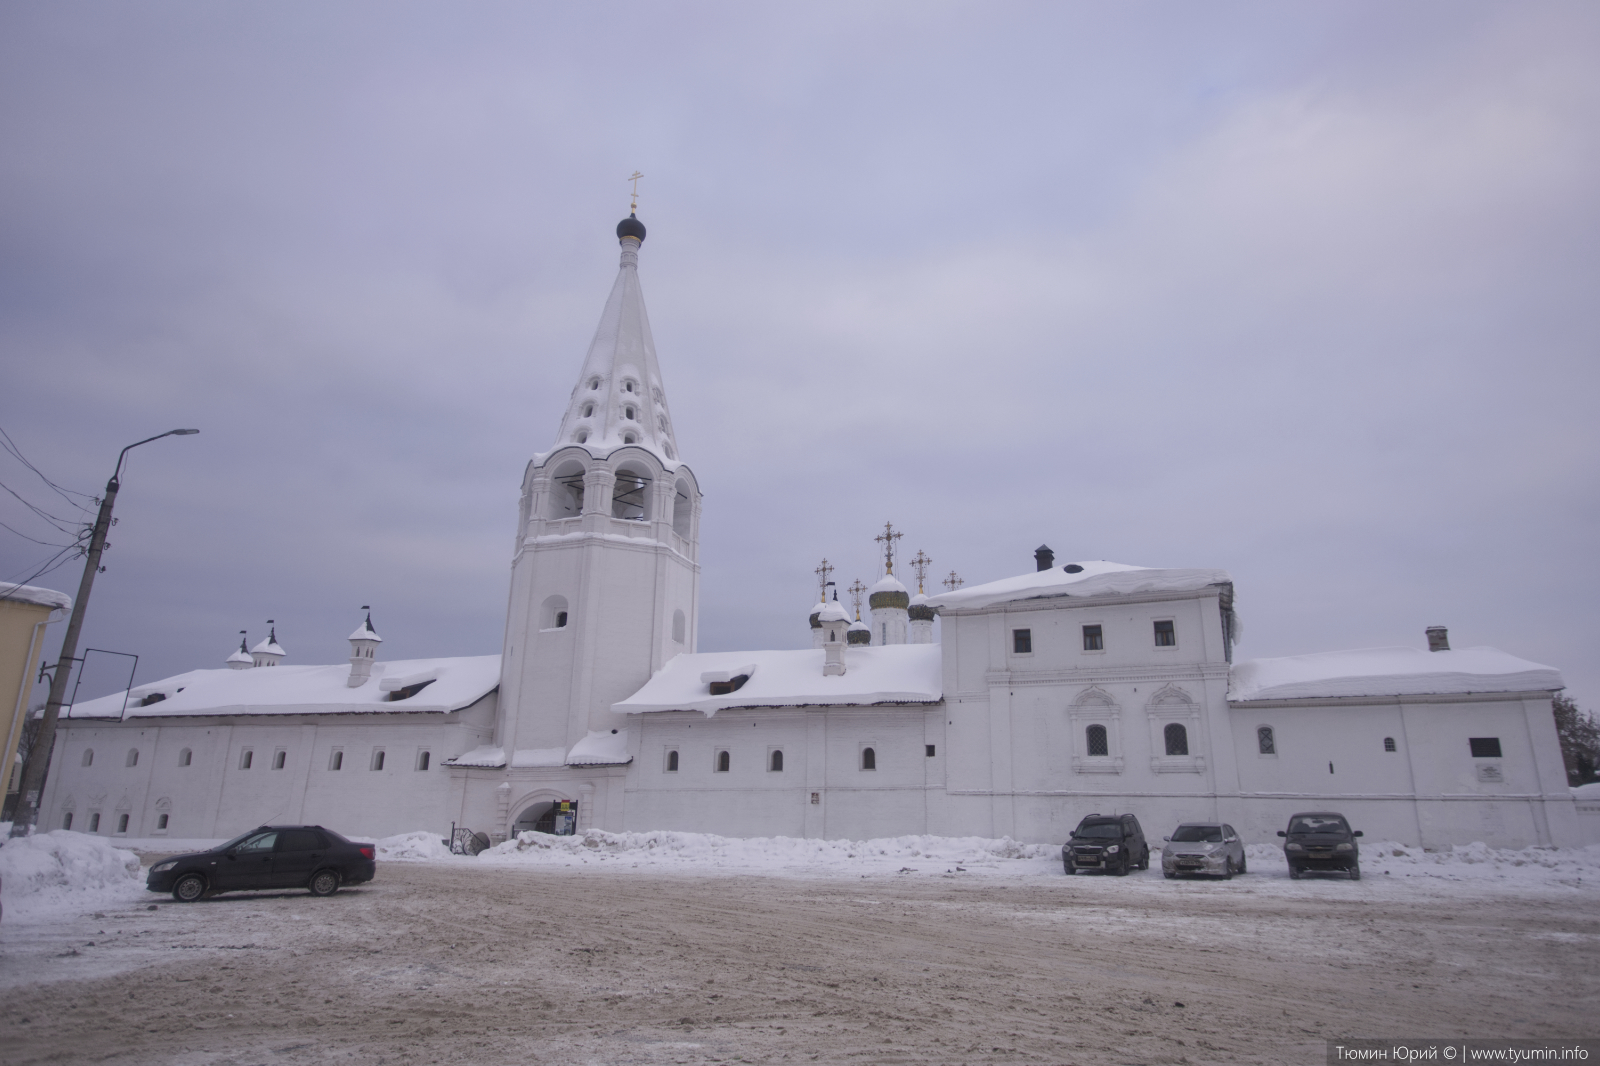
(39, 753)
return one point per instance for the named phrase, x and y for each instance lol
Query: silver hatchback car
(1203, 848)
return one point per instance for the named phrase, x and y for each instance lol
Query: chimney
(363, 648)
(1043, 557)
(1438, 638)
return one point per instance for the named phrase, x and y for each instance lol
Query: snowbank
(1463, 862)
(61, 871)
(702, 851)
(413, 847)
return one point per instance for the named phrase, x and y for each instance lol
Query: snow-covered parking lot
(677, 948)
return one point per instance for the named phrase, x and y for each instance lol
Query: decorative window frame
(1172, 704)
(1096, 706)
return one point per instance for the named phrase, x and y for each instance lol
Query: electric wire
(59, 523)
(11, 446)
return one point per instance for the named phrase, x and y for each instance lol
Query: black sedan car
(1321, 840)
(273, 856)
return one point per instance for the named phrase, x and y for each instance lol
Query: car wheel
(1227, 869)
(1294, 873)
(1144, 861)
(1127, 864)
(1355, 871)
(1066, 867)
(1169, 875)
(1242, 864)
(189, 888)
(324, 883)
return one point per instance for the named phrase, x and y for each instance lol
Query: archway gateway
(556, 817)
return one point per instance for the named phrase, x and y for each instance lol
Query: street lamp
(39, 753)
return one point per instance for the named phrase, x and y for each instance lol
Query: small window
(1165, 636)
(561, 619)
(246, 757)
(66, 821)
(133, 757)
(869, 759)
(377, 759)
(775, 763)
(122, 823)
(588, 410)
(1093, 639)
(594, 383)
(1177, 738)
(1022, 641)
(336, 760)
(1388, 744)
(94, 822)
(627, 412)
(929, 751)
(423, 759)
(161, 823)
(627, 386)
(582, 436)
(185, 757)
(672, 761)
(88, 756)
(629, 438)
(1485, 747)
(1266, 744)
(1094, 739)
(723, 762)
(279, 759)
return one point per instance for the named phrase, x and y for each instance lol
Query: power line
(46, 515)
(11, 446)
(24, 536)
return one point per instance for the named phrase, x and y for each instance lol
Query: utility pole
(39, 754)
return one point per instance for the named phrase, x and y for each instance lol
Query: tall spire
(619, 399)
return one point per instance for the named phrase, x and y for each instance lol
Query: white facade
(1067, 690)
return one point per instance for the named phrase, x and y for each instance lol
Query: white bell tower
(605, 577)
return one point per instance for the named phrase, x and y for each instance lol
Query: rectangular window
(1165, 637)
(930, 750)
(161, 823)
(1022, 641)
(66, 823)
(1485, 747)
(1093, 639)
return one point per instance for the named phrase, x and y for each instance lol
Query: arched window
(629, 438)
(594, 383)
(94, 821)
(869, 759)
(88, 756)
(672, 761)
(723, 762)
(377, 759)
(566, 487)
(336, 760)
(1094, 738)
(630, 496)
(775, 763)
(246, 757)
(581, 437)
(185, 757)
(588, 410)
(1177, 738)
(682, 509)
(133, 757)
(279, 759)
(553, 614)
(423, 759)
(122, 823)
(1265, 742)
(679, 625)
(1388, 744)
(627, 412)
(627, 386)
(66, 820)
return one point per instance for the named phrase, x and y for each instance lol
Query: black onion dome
(631, 227)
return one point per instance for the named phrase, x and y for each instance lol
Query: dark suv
(273, 856)
(1321, 840)
(1110, 843)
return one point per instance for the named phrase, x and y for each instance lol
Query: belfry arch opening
(682, 509)
(557, 817)
(630, 496)
(566, 491)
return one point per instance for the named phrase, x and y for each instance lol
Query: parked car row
(273, 856)
(1115, 844)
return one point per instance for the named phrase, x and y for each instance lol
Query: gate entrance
(557, 817)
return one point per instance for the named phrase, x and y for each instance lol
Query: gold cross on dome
(887, 539)
(634, 177)
(920, 563)
(856, 589)
(952, 582)
(822, 573)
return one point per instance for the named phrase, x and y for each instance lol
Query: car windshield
(1191, 834)
(1318, 823)
(1100, 831)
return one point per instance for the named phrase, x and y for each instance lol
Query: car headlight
(1113, 849)
(1291, 846)
(163, 867)
(1344, 847)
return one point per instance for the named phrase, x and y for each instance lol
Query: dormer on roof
(269, 652)
(363, 647)
(240, 659)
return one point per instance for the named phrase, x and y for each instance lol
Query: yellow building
(24, 612)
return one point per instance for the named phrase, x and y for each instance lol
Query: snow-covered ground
(55, 875)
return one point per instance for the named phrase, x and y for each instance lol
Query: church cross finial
(920, 563)
(856, 589)
(953, 582)
(822, 573)
(887, 539)
(634, 177)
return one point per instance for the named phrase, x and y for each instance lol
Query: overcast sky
(1307, 292)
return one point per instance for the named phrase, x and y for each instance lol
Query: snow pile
(61, 870)
(704, 851)
(1462, 862)
(420, 846)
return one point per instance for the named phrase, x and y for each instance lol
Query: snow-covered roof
(601, 749)
(887, 583)
(364, 631)
(33, 594)
(1098, 578)
(832, 611)
(897, 673)
(1388, 672)
(304, 690)
(269, 646)
(596, 749)
(239, 656)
